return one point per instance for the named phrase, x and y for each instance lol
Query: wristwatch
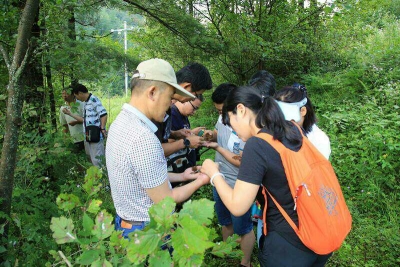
(186, 142)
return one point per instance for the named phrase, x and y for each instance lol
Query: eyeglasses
(194, 108)
(200, 96)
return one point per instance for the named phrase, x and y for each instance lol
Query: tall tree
(16, 94)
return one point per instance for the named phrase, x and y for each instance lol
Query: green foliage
(365, 145)
(93, 240)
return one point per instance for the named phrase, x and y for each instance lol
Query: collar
(90, 94)
(141, 116)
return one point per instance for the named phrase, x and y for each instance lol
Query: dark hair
(264, 82)
(76, 88)
(296, 93)
(197, 75)
(221, 92)
(268, 113)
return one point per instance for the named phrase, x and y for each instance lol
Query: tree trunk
(51, 95)
(14, 106)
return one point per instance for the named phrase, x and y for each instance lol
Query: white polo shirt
(135, 162)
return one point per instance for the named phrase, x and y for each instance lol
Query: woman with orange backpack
(249, 114)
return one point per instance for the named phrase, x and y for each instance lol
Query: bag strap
(276, 144)
(283, 212)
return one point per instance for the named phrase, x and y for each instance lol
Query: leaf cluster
(90, 232)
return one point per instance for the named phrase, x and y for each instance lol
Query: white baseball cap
(160, 70)
(292, 110)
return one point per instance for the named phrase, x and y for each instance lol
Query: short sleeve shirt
(93, 111)
(135, 162)
(228, 139)
(75, 131)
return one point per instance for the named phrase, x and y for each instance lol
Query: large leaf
(189, 238)
(94, 206)
(162, 213)
(142, 244)
(160, 259)
(224, 249)
(92, 180)
(67, 202)
(87, 224)
(201, 210)
(103, 225)
(89, 256)
(62, 230)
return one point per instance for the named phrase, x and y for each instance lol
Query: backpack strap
(283, 212)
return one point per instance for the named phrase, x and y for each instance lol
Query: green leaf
(162, 213)
(103, 227)
(117, 240)
(87, 224)
(160, 259)
(67, 202)
(195, 260)
(101, 263)
(88, 257)
(3, 97)
(142, 244)
(222, 249)
(62, 230)
(94, 206)
(189, 238)
(2, 249)
(201, 210)
(92, 180)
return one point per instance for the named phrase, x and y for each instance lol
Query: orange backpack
(324, 219)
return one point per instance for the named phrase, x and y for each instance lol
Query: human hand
(104, 132)
(213, 145)
(195, 141)
(191, 173)
(196, 130)
(208, 135)
(66, 111)
(182, 133)
(209, 167)
(73, 123)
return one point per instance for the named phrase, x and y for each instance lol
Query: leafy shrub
(365, 151)
(91, 238)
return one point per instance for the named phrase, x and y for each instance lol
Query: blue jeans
(126, 231)
(241, 225)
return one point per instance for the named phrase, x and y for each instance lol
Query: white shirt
(135, 162)
(75, 131)
(320, 140)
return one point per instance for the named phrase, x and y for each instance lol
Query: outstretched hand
(209, 167)
(213, 145)
(194, 173)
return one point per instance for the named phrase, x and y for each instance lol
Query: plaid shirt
(135, 162)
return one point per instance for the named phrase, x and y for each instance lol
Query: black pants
(275, 251)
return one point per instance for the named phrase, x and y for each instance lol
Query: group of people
(81, 111)
(151, 147)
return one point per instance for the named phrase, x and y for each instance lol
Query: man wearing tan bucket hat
(136, 164)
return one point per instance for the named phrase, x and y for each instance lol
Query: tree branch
(5, 56)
